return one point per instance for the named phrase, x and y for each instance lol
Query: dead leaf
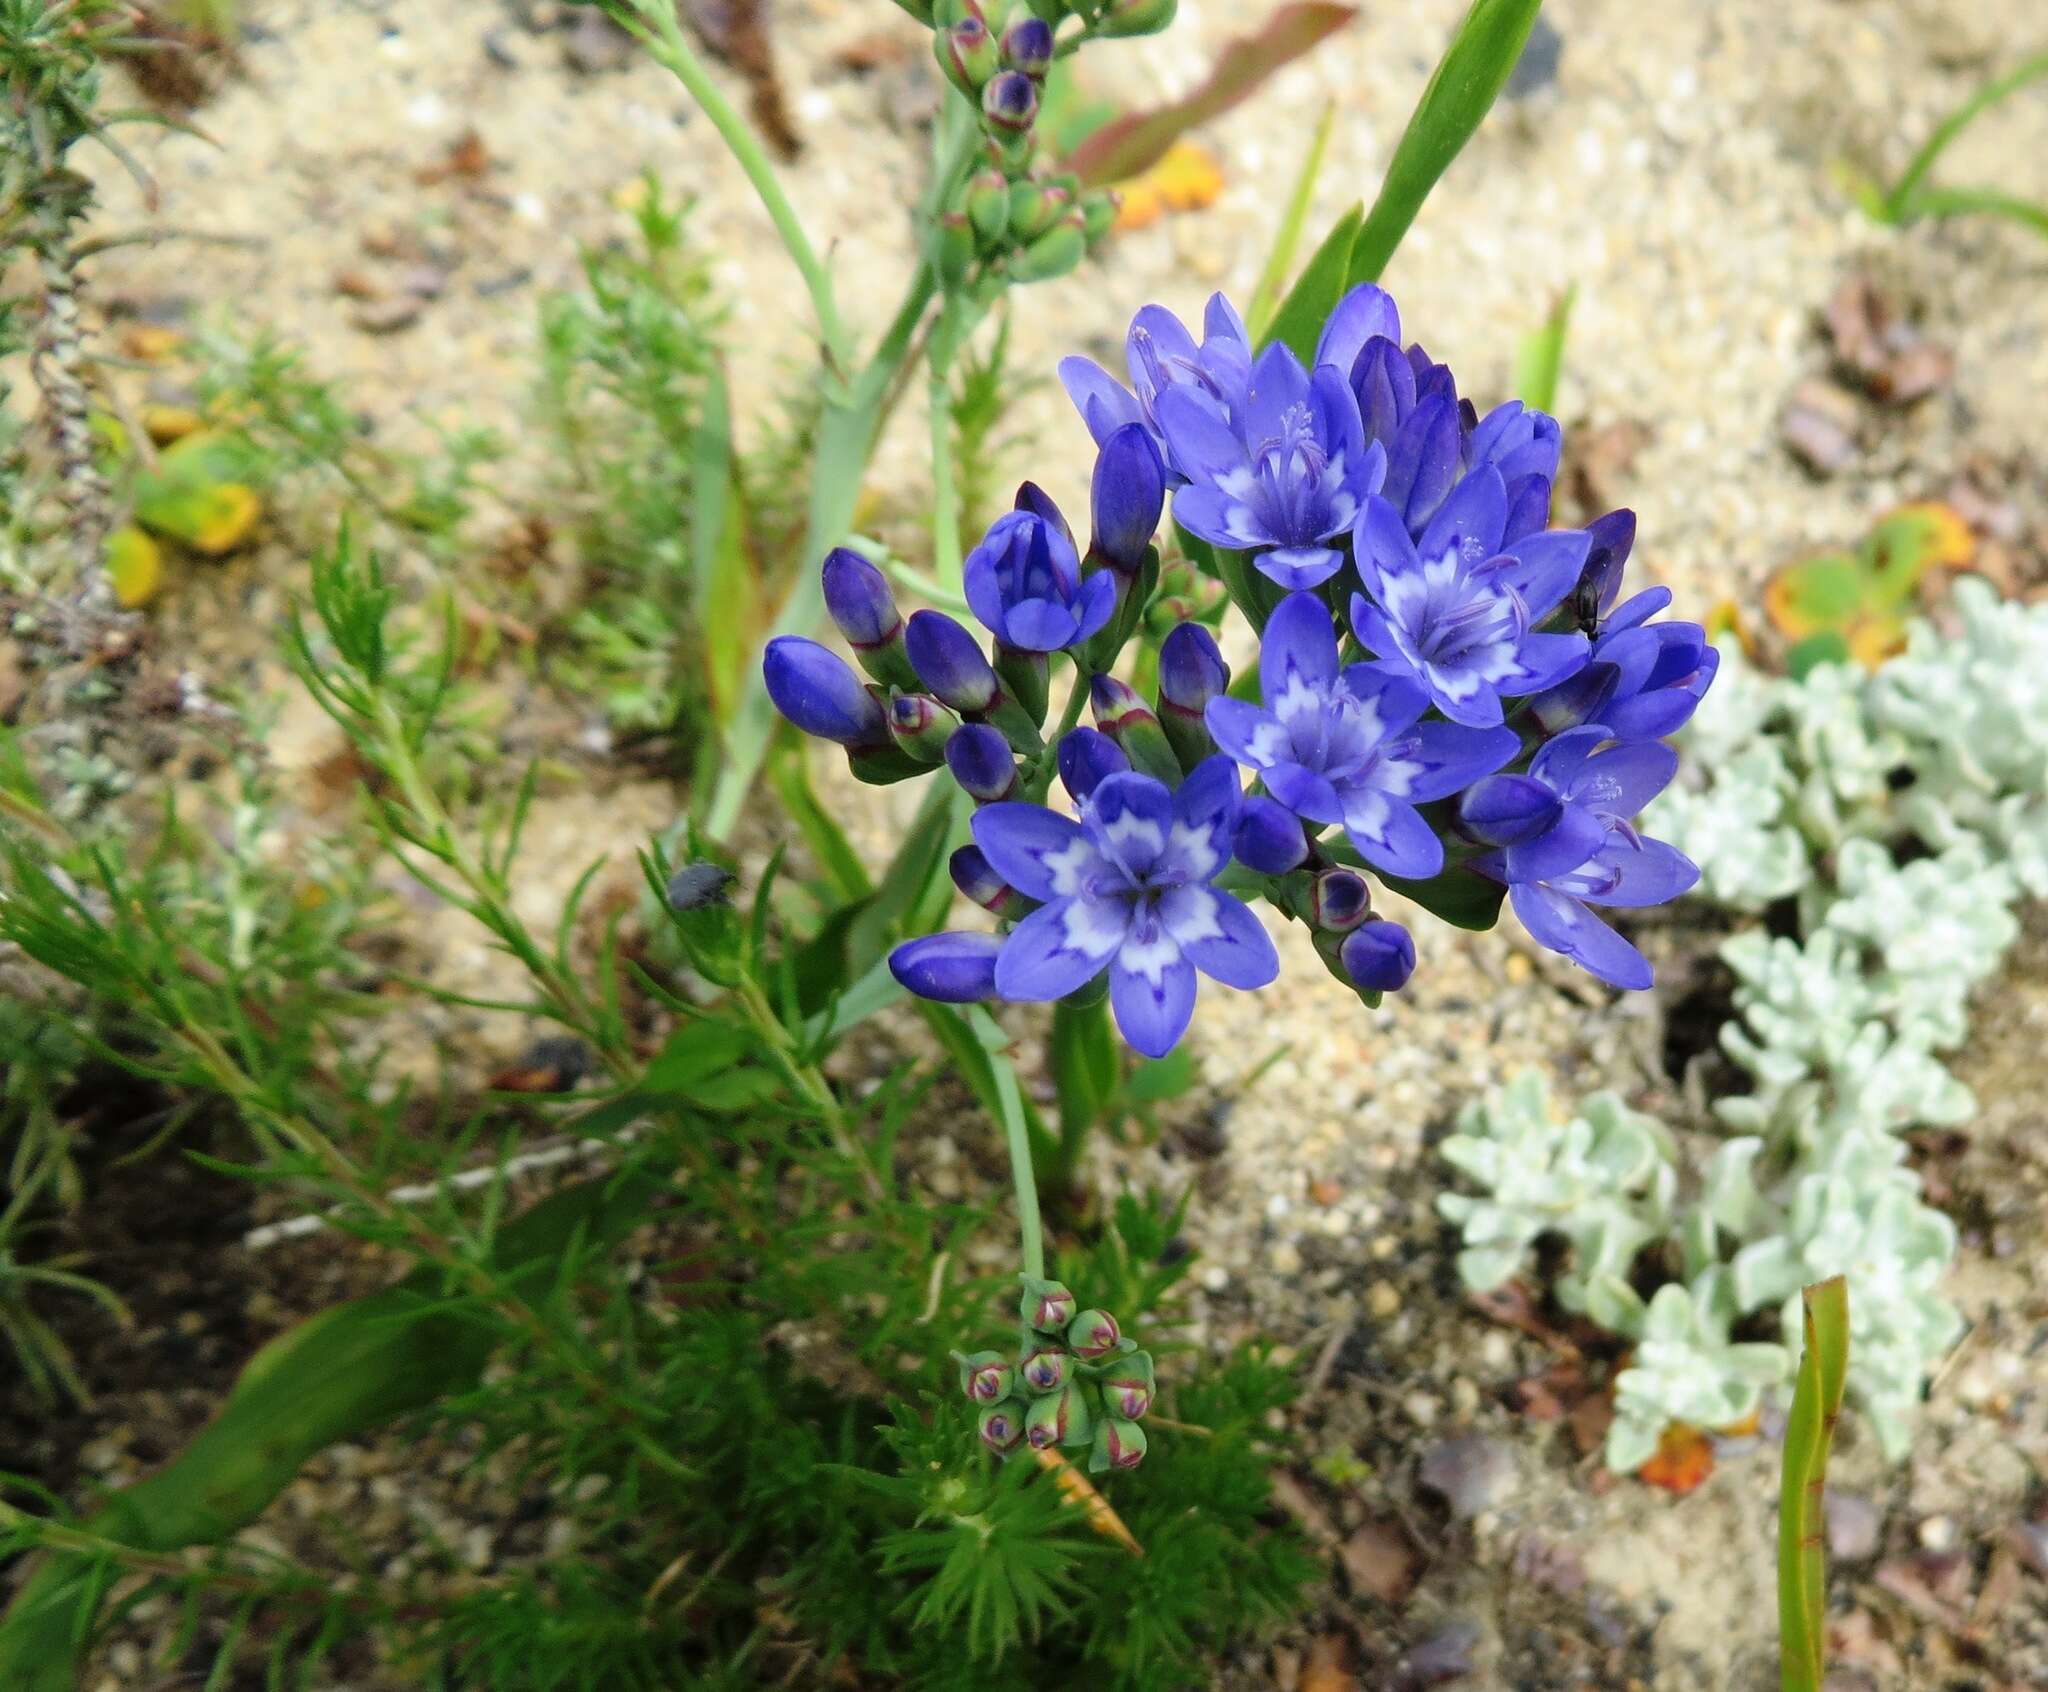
(1685, 1457)
(1381, 1561)
(1187, 179)
(1878, 349)
(466, 159)
(1328, 1668)
(1127, 145)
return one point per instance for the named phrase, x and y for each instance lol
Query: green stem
(1030, 1229)
(806, 1081)
(671, 50)
(946, 561)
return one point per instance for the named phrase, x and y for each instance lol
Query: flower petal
(1205, 808)
(1198, 441)
(1220, 936)
(1304, 792)
(1422, 459)
(1104, 403)
(1559, 761)
(1361, 314)
(1152, 992)
(1038, 625)
(1653, 874)
(1130, 817)
(1039, 852)
(1095, 604)
(1383, 548)
(1543, 568)
(1221, 519)
(1250, 735)
(1278, 384)
(1568, 843)
(1060, 947)
(1449, 757)
(1564, 925)
(1470, 522)
(1391, 835)
(1296, 567)
(1298, 649)
(1621, 780)
(1542, 661)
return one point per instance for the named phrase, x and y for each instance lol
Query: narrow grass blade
(1466, 81)
(1956, 202)
(1265, 298)
(724, 589)
(1899, 203)
(332, 1378)
(1802, 1528)
(1539, 360)
(1299, 321)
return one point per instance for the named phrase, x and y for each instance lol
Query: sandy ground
(1679, 174)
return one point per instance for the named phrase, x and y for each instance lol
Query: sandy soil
(1679, 174)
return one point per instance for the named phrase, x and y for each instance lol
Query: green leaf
(1460, 93)
(1155, 1080)
(1459, 897)
(1802, 1524)
(1908, 199)
(1539, 360)
(694, 1053)
(199, 494)
(1806, 656)
(1122, 148)
(334, 1377)
(725, 593)
(1265, 298)
(1298, 323)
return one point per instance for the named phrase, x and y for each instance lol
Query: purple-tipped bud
(1046, 1306)
(976, 878)
(921, 726)
(1269, 837)
(968, 54)
(1027, 46)
(988, 1377)
(1613, 537)
(1045, 1369)
(949, 662)
(1507, 810)
(857, 596)
(1010, 102)
(1118, 1445)
(818, 691)
(1339, 900)
(1128, 1385)
(1059, 1418)
(1088, 755)
(1191, 673)
(1129, 721)
(1379, 957)
(982, 763)
(1093, 1335)
(954, 968)
(1002, 1425)
(1128, 494)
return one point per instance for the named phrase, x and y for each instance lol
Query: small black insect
(697, 885)
(1586, 606)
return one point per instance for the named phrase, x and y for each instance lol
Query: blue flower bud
(1128, 1385)
(987, 1377)
(976, 878)
(1507, 810)
(1027, 46)
(968, 54)
(1034, 499)
(1086, 756)
(1118, 1444)
(1044, 1369)
(953, 968)
(1009, 102)
(982, 763)
(1191, 673)
(1046, 1305)
(1094, 1335)
(1379, 957)
(1339, 900)
(1269, 837)
(1060, 1418)
(818, 691)
(1128, 721)
(949, 662)
(1128, 494)
(857, 596)
(1002, 1425)
(921, 726)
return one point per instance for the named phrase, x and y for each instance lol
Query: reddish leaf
(1685, 1457)
(1123, 147)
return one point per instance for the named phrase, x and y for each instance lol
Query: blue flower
(1349, 746)
(1643, 681)
(1283, 477)
(955, 968)
(1162, 357)
(817, 690)
(1458, 612)
(1024, 582)
(1565, 844)
(1128, 889)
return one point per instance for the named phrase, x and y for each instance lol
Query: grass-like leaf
(1802, 1530)
(1539, 360)
(1905, 200)
(1265, 298)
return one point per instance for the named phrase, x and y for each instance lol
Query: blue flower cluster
(1447, 697)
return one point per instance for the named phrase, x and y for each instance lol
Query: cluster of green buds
(1076, 1380)
(1017, 220)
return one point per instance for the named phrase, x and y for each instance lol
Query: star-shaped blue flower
(1348, 745)
(1024, 582)
(1162, 356)
(1127, 888)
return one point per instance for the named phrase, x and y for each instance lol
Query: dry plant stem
(57, 363)
(1102, 1517)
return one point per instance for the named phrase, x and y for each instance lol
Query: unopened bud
(1054, 253)
(1126, 719)
(953, 247)
(1191, 673)
(1128, 1385)
(1060, 1418)
(1339, 900)
(1034, 208)
(1269, 837)
(1086, 757)
(864, 610)
(1002, 1425)
(987, 1377)
(1009, 101)
(1045, 1369)
(988, 206)
(968, 54)
(977, 880)
(1118, 1444)
(982, 763)
(1027, 46)
(1094, 1335)
(950, 662)
(921, 726)
(1098, 213)
(1379, 957)
(1046, 1306)
(1137, 17)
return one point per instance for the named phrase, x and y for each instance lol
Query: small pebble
(1937, 1533)
(1382, 1299)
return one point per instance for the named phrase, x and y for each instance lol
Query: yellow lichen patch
(1188, 178)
